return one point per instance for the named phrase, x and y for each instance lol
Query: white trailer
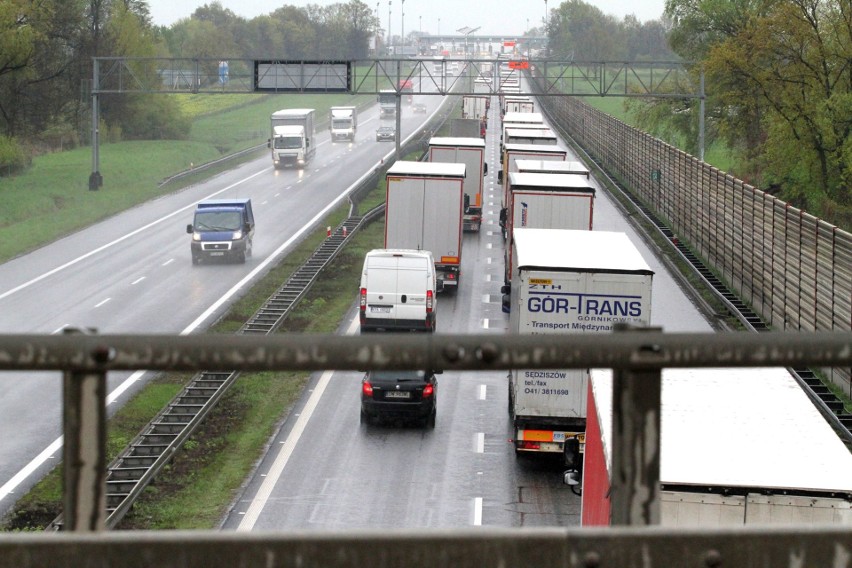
(538, 136)
(567, 282)
(551, 167)
(343, 122)
(738, 446)
(514, 152)
(475, 106)
(546, 201)
(518, 103)
(423, 211)
(471, 152)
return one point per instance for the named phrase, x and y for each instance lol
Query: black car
(399, 395)
(419, 108)
(385, 133)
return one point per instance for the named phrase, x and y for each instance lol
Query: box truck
(222, 229)
(423, 211)
(514, 152)
(546, 201)
(470, 152)
(475, 106)
(551, 167)
(568, 282)
(738, 446)
(343, 122)
(519, 120)
(292, 137)
(517, 103)
(387, 103)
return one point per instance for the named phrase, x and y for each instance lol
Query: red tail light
(363, 305)
(429, 301)
(451, 276)
(530, 445)
(428, 391)
(367, 389)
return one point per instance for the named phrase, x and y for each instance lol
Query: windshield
(399, 376)
(387, 98)
(218, 221)
(288, 142)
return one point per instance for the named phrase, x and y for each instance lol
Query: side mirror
(189, 229)
(506, 289)
(269, 142)
(500, 176)
(485, 168)
(506, 304)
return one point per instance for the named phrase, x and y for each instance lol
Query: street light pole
(545, 27)
(402, 38)
(390, 37)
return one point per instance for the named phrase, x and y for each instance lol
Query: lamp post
(390, 37)
(378, 27)
(402, 25)
(545, 26)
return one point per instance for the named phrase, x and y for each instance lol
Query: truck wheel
(195, 259)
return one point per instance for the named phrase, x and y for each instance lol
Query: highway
(326, 471)
(132, 274)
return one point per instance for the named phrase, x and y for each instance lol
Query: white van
(398, 291)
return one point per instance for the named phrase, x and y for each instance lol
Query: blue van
(222, 228)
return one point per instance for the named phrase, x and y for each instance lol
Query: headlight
(237, 235)
(196, 236)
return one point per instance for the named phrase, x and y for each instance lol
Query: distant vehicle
(398, 291)
(419, 108)
(292, 137)
(222, 228)
(410, 395)
(385, 133)
(406, 87)
(343, 122)
(387, 103)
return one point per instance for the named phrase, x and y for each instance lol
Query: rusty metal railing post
(84, 449)
(635, 489)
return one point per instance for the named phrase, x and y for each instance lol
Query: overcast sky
(491, 16)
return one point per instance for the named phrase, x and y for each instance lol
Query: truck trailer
(546, 201)
(343, 122)
(567, 282)
(292, 137)
(423, 211)
(387, 103)
(475, 106)
(552, 167)
(738, 446)
(514, 152)
(471, 152)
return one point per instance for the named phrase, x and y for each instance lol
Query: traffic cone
(328, 231)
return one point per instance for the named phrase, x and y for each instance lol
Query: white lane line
(168, 262)
(102, 302)
(137, 281)
(485, 323)
(483, 391)
(120, 239)
(479, 443)
(274, 474)
(477, 511)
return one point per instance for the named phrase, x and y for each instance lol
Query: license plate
(397, 394)
(380, 309)
(217, 254)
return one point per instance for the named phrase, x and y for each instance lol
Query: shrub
(13, 157)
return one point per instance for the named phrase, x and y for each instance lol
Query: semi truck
(387, 103)
(222, 229)
(518, 103)
(567, 282)
(539, 135)
(423, 211)
(519, 120)
(471, 153)
(343, 122)
(514, 152)
(552, 167)
(406, 89)
(475, 106)
(546, 201)
(738, 446)
(292, 137)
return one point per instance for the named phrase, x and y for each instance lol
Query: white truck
(292, 137)
(518, 103)
(546, 201)
(343, 122)
(514, 152)
(568, 282)
(470, 152)
(423, 211)
(539, 136)
(475, 106)
(520, 120)
(552, 167)
(387, 103)
(738, 446)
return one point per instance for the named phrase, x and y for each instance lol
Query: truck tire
(241, 257)
(195, 259)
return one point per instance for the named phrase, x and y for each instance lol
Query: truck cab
(223, 229)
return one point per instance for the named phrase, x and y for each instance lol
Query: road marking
(482, 392)
(286, 450)
(477, 511)
(102, 302)
(168, 262)
(479, 444)
(137, 281)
